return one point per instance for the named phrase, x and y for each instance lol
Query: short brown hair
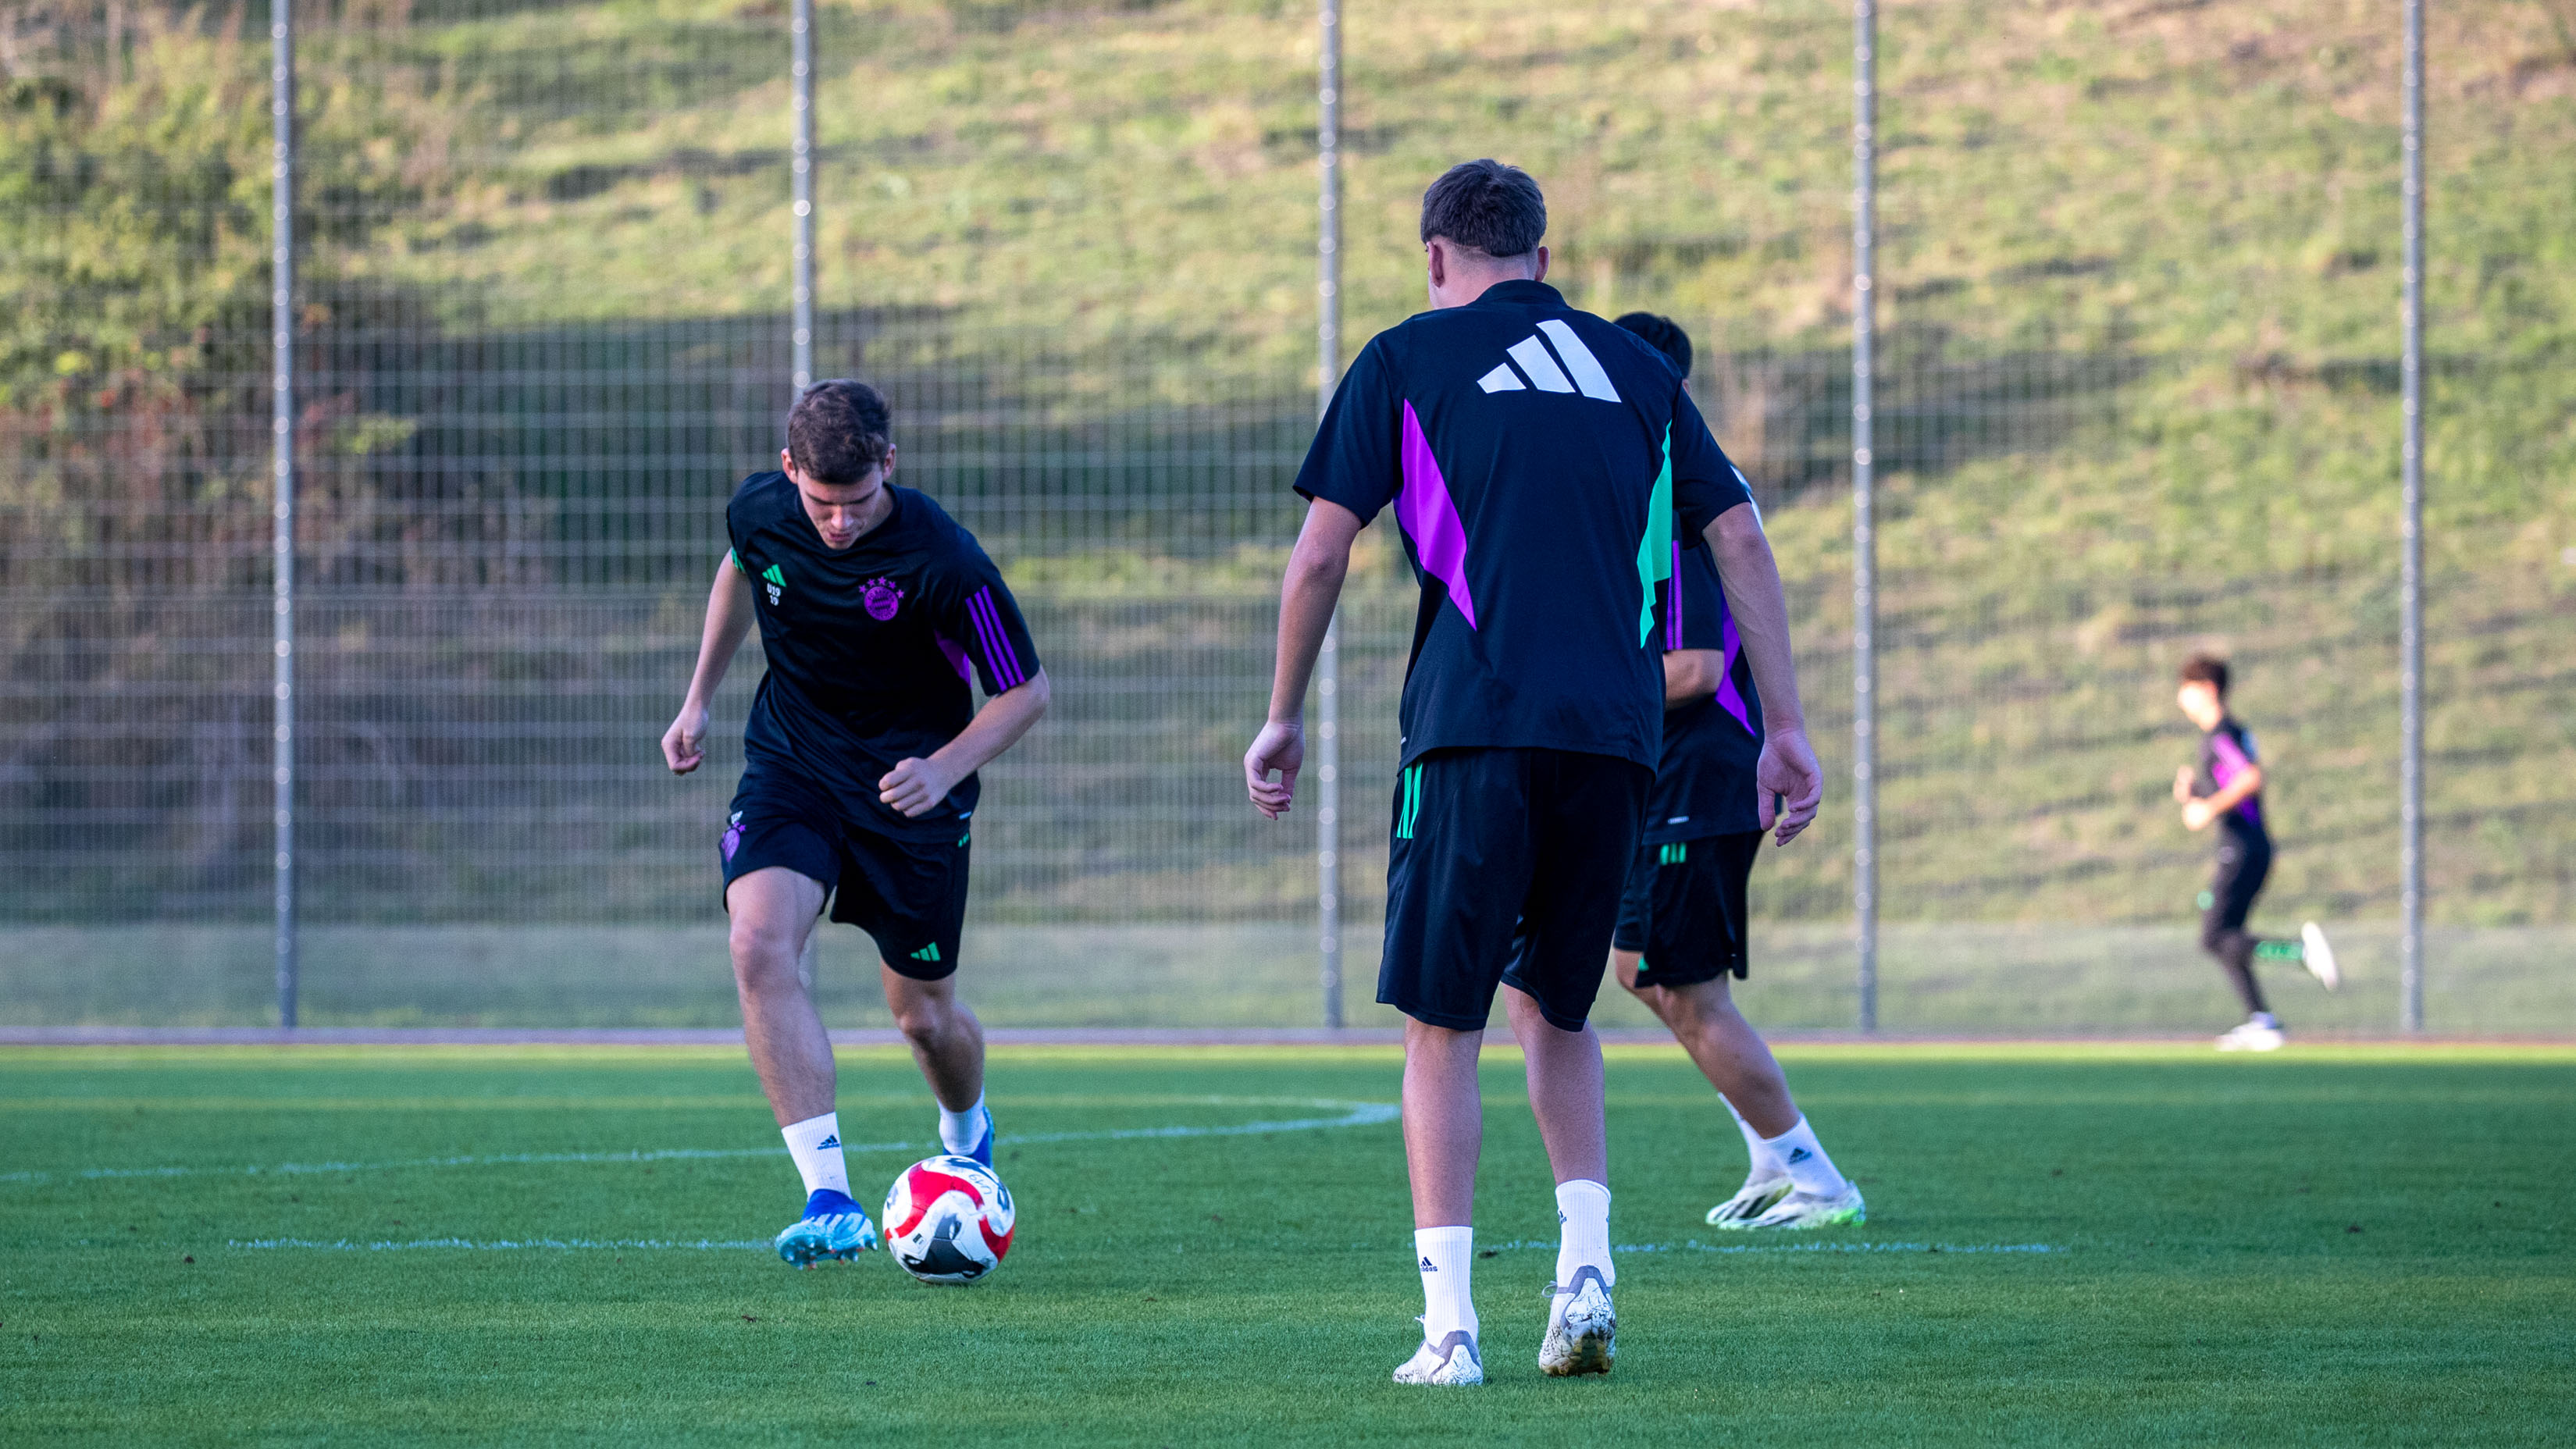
(1493, 208)
(2206, 669)
(839, 430)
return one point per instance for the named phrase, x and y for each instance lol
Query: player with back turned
(1535, 458)
(877, 613)
(1683, 918)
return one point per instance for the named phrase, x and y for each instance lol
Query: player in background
(876, 612)
(1535, 458)
(1682, 919)
(2225, 787)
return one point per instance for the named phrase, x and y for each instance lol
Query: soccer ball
(948, 1220)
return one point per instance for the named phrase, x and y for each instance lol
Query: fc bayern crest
(882, 598)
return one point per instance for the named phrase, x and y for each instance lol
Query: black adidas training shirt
(871, 649)
(1536, 458)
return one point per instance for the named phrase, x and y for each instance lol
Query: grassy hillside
(1112, 211)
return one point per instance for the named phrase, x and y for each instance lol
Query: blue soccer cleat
(833, 1227)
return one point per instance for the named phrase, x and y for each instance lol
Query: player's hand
(2196, 814)
(684, 744)
(1280, 747)
(915, 787)
(2183, 777)
(1790, 783)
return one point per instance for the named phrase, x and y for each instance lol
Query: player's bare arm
(2198, 813)
(729, 616)
(1790, 782)
(1691, 675)
(1307, 596)
(916, 786)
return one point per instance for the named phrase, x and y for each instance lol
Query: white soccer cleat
(1450, 1364)
(1816, 1210)
(1582, 1331)
(1751, 1201)
(2253, 1036)
(2318, 957)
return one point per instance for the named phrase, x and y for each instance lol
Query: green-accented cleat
(1751, 1201)
(1813, 1210)
(833, 1227)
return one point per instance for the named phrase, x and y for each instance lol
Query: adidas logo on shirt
(777, 582)
(1581, 371)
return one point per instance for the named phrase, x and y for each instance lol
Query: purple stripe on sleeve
(1728, 696)
(2226, 763)
(997, 640)
(983, 633)
(956, 653)
(1429, 516)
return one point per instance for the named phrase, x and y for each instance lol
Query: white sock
(1583, 1230)
(1763, 1161)
(1808, 1166)
(1444, 1255)
(959, 1131)
(815, 1143)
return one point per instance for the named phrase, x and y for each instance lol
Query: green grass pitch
(2335, 1246)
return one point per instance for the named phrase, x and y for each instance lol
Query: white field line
(706, 1245)
(1694, 1245)
(1354, 1114)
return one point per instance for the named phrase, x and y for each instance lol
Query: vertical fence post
(1328, 667)
(801, 151)
(1864, 521)
(281, 115)
(2410, 642)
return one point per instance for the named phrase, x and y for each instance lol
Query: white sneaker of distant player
(2318, 957)
(1451, 1363)
(1582, 1329)
(2253, 1036)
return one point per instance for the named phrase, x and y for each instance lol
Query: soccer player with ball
(877, 612)
(1535, 458)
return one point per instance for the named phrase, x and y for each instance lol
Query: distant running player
(2225, 787)
(1535, 458)
(876, 611)
(1682, 918)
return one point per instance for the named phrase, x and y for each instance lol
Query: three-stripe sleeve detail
(999, 657)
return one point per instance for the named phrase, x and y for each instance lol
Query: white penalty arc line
(1354, 1114)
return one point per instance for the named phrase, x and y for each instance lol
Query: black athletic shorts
(1505, 865)
(909, 895)
(2238, 876)
(1684, 909)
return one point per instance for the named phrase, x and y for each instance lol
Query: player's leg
(1457, 864)
(1587, 810)
(772, 909)
(2223, 935)
(1766, 1181)
(771, 914)
(1697, 944)
(910, 897)
(947, 1043)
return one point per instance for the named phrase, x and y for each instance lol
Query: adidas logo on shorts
(1539, 366)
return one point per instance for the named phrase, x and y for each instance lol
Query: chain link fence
(2136, 396)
